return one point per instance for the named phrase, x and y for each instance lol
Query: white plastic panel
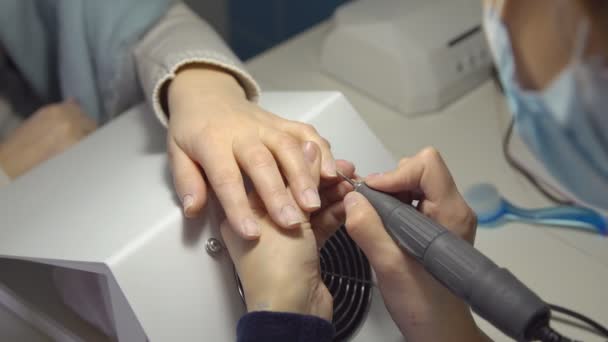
(107, 206)
(415, 56)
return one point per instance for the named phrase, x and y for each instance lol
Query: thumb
(365, 227)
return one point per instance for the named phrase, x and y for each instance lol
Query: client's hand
(48, 132)
(217, 136)
(280, 271)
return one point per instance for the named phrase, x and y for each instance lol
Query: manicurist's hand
(422, 308)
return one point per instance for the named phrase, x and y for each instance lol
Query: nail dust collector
(107, 206)
(414, 56)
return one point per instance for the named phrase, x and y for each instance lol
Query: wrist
(205, 79)
(312, 300)
(279, 300)
(199, 81)
(455, 325)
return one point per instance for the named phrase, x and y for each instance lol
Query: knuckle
(434, 212)
(469, 223)
(355, 221)
(260, 158)
(462, 221)
(183, 180)
(67, 129)
(202, 140)
(461, 218)
(205, 134)
(286, 141)
(403, 161)
(277, 193)
(472, 222)
(351, 227)
(301, 178)
(309, 129)
(390, 263)
(225, 178)
(325, 143)
(430, 154)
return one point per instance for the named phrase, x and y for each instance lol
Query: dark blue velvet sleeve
(280, 326)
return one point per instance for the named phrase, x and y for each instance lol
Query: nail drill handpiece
(493, 292)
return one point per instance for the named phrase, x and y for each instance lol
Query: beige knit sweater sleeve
(180, 38)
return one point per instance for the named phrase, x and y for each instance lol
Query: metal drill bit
(346, 178)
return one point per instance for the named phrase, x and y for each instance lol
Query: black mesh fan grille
(347, 274)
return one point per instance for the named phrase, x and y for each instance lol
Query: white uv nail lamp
(107, 206)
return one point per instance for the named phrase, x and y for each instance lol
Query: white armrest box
(108, 206)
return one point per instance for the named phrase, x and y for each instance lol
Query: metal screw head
(214, 247)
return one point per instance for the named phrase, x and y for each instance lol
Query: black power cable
(599, 328)
(520, 168)
(543, 332)
(547, 334)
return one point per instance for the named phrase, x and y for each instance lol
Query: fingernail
(311, 198)
(187, 202)
(290, 216)
(350, 200)
(309, 152)
(250, 228)
(329, 167)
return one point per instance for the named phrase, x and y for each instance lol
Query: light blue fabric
(78, 48)
(566, 124)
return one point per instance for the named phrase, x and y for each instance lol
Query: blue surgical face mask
(566, 124)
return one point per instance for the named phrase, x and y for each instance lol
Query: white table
(564, 267)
